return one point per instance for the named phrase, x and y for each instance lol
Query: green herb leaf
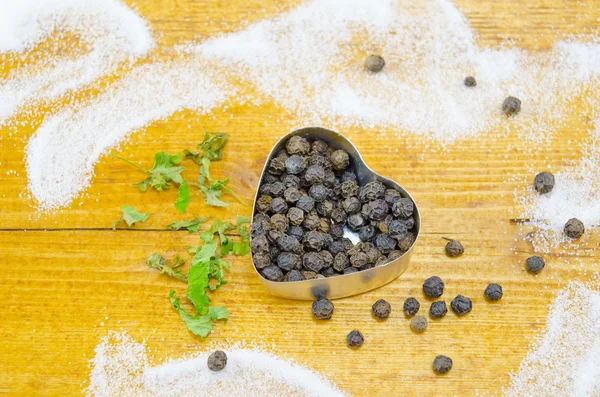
(244, 234)
(241, 220)
(156, 261)
(163, 172)
(218, 313)
(183, 197)
(192, 225)
(130, 216)
(198, 325)
(213, 146)
(194, 156)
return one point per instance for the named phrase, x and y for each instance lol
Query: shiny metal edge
(349, 284)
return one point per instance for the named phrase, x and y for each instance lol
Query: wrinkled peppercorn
(371, 191)
(461, 305)
(340, 262)
(296, 231)
(394, 255)
(312, 261)
(454, 248)
(511, 106)
(295, 216)
(348, 176)
(351, 205)
(406, 242)
(293, 275)
(278, 206)
(336, 231)
(375, 210)
(329, 180)
(442, 364)
(355, 221)
(535, 264)
(326, 258)
(322, 309)
(289, 243)
(336, 247)
(263, 204)
(321, 161)
(391, 196)
(574, 228)
(438, 309)
(373, 255)
(259, 227)
(543, 182)
(295, 164)
(288, 261)
(385, 243)
(324, 208)
(350, 269)
(418, 324)
(280, 223)
(311, 221)
(433, 287)
(349, 189)
(306, 203)
(340, 160)
(338, 216)
(290, 181)
(319, 146)
(355, 338)
(397, 229)
(277, 166)
(493, 292)
(403, 208)
(318, 192)
(359, 259)
(411, 306)
(315, 174)
(313, 240)
(382, 309)
(308, 275)
(366, 233)
(217, 360)
(374, 63)
(259, 244)
(276, 189)
(297, 145)
(292, 195)
(261, 260)
(470, 81)
(272, 273)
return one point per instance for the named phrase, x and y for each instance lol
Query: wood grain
(63, 287)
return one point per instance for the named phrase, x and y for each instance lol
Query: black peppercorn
(295, 216)
(288, 261)
(279, 222)
(355, 221)
(385, 243)
(277, 166)
(355, 339)
(418, 324)
(336, 247)
(318, 192)
(292, 195)
(259, 227)
(392, 256)
(278, 206)
(574, 228)
(321, 161)
(312, 261)
(290, 181)
(433, 287)
(349, 189)
(276, 189)
(336, 231)
(535, 264)
(306, 203)
(259, 244)
(511, 106)
(493, 292)
(454, 248)
(261, 260)
(374, 63)
(543, 182)
(297, 145)
(329, 180)
(382, 309)
(313, 240)
(315, 174)
(371, 191)
(319, 146)
(217, 360)
(442, 364)
(403, 208)
(338, 216)
(289, 244)
(411, 306)
(348, 176)
(397, 229)
(325, 207)
(350, 269)
(295, 164)
(406, 242)
(293, 275)
(470, 81)
(391, 196)
(340, 262)
(359, 259)
(340, 160)
(375, 210)
(322, 309)
(366, 233)
(351, 205)
(438, 309)
(296, 231)
(308, 275)
(263, 204)
(272, 273)
(461, 305)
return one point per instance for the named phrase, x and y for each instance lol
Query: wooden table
(66, 279)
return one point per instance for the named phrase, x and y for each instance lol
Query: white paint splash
(121, 367)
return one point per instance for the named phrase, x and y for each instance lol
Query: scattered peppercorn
(374, 63)
(217, 360)
(382, 309)
(454, 248)
(418, 324)
(511, 106)
(442, 364)
(461, 305)
(438, 309)
(535, 264)
(355, 338)
(543, 182)
(493, 292)
(470, 81)
(574, 228)
(322, 309)
(433, 287)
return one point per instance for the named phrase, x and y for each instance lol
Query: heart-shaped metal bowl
(348, 284)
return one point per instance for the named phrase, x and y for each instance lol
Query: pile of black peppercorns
(308, 195)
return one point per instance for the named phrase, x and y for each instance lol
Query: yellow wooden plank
(58, 287)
